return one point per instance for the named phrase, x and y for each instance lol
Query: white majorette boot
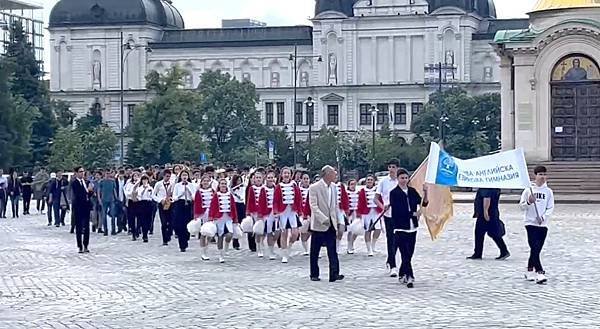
(305, 246)
(221, 256)
(203, 254)
(284, 259)
(272, 253)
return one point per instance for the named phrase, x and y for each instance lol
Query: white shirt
(121, 187)
(144, 193)
(128, 189)
(385, 186)
(159, 194)
(3, 182)
(184, 192)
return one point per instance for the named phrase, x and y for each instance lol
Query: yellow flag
(441, 205)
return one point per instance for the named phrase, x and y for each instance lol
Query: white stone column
(526, 128)
(507, 100)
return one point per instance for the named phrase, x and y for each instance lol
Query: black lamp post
(130, 48)
(374, 111)
(294, 58)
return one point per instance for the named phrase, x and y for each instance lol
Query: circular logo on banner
(447, 170)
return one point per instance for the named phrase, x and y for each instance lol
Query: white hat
(53, 175)
(220, 171)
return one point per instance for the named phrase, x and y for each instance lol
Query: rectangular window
(310, 115)
(399, 114)
(280, 113)
(298, 113)
(383, 116)
(332, 115)
(130, 113)
(416, 108)
(269, 114)
(365, 114)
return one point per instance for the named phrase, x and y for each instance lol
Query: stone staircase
(570, 177)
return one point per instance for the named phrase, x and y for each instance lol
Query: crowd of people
(270, 207)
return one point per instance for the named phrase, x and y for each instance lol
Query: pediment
(332, 98)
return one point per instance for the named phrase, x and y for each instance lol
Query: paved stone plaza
(123, 284)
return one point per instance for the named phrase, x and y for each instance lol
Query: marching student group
(274, 209)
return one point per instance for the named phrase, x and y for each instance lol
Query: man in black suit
(82, 206)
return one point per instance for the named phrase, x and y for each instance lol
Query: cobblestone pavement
(44, 283)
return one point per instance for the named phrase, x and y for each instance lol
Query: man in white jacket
(538, 204)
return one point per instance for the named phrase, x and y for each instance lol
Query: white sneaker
(204, 257)
(306, 253)
(540, 278)
(370, 254)
(260, 254)
(393, 272)
(350, 251)
(284, 260)
(221, 260)
(530, 276)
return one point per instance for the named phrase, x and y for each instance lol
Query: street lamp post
(294, 58)
(123, 58)
(442, 70)
(374, 111)
(309, 121)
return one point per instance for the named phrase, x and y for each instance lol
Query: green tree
(67, 150)
(231, 119)
(323, 149)
(16, 118)
(284, 152)
(91, 121)
(471, 124)
(27, 83)
(62, 111)
(156, 123)
(187, 146)
(99, 146)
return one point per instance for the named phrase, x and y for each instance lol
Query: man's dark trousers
(328, 239)
(390, 242)
(494, 230)
(82, 229)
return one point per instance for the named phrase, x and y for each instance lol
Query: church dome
(485, 8)
(115, 12)
(565, 4)
(341, 6)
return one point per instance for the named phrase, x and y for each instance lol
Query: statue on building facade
(332, 80)
(304, 79)
(274, 79)
(96, 74)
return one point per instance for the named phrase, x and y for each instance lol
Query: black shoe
(49, 224)
(182, 249)
(474, 257)
(503, 257)
(57, 225)
(80, 251)
(338, 278)
(133, 238)
(314, 279)
(410, 285)
(72, 232)
(86, 250)
(165, 244)
(151, 233)
(145, 240)
(100, 231)
(63, 224)
(113, 233)
(119, 230)
(105, 233)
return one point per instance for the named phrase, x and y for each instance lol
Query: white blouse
(184, 192)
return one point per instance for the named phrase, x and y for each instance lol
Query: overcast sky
(208, 13)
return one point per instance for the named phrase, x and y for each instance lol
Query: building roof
(564, 4)
(19, 4)
(236, 37)
(111, 12)
(484, 8)
(496, 25)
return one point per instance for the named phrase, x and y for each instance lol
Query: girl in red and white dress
(352, 212)
(253, 207)
(305, 229)
(343, 203)
(202, 201)
(287, 204)
(370, 211)
(223, 212)
(266, 211)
